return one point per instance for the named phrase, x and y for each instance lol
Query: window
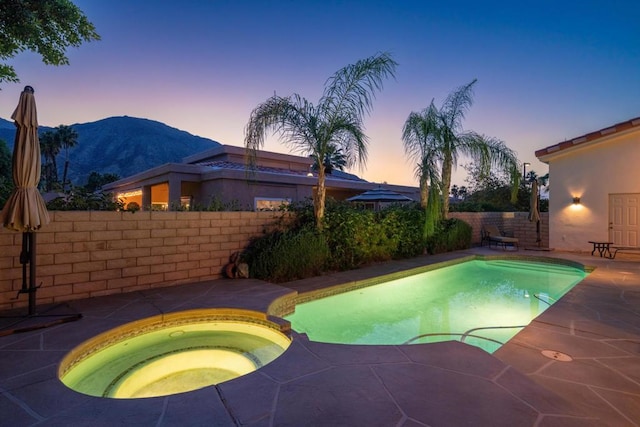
(270, 203)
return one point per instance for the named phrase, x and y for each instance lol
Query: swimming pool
(480, 302)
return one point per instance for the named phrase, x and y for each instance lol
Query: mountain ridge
(122, 145)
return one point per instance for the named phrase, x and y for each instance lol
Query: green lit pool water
(483, 303)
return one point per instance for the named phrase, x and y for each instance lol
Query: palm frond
(420, 136)
(351, 90)
(456, 105)
(335, 123)
(351, 139)
(291, 118)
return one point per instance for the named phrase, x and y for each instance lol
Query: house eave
(600, 136)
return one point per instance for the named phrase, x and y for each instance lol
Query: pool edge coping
(285, 305)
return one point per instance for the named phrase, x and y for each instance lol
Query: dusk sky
(547, 71)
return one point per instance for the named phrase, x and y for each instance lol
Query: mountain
(121, 145)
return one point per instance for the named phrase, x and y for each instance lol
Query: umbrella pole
(32, 274)
(24, 260)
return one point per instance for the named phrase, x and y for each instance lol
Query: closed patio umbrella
(534, 210)
(25, 209)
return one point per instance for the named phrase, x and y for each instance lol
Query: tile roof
(223, 164)
(592, 136)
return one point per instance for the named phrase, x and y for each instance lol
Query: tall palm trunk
(447, 166)
(64, 174)
(319, 198)
(424, 191)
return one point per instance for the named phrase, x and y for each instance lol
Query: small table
(601, 247)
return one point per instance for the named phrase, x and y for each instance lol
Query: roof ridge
(590, 136)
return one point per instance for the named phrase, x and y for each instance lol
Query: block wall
(86, 254)
(514, 224)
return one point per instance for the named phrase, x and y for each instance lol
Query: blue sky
(547, 71)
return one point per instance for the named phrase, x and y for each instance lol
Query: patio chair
(616, 249)
(491, 234)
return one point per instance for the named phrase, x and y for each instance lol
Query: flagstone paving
(597, 324)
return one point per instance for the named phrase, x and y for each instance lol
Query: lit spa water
(173, 359)
(482, 303)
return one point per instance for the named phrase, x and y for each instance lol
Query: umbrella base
(47, 317)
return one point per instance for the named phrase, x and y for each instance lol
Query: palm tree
(439, 133)
(50, 148)
(333, 159)
(68, 138)
(420, 145)
(334, 123)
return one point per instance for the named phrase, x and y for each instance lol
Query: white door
(623, 219)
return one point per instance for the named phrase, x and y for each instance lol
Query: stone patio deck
(314, 384)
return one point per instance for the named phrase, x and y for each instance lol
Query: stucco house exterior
(220, 174)
(595, 188)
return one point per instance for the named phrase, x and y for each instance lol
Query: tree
(334, 123)
(50, 146)
(441, 138)
(333, 159)
(458, 193)
(420, 145)
(492, 192)
(68, 139)
(47, 27)
(96, 180)
(6, 173)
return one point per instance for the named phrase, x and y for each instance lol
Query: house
(220, 175)
(595, 188)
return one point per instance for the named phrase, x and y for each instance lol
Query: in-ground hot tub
(174, 353)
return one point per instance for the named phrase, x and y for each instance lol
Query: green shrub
(358, 236)
(404, 223)
(451, 235)
(352, 237)
(79, 199)
(132, 207)
(281, 256)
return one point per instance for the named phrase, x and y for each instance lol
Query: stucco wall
(243, 192)
(86, 254)
(593, 172)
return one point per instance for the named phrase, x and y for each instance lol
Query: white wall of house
(592, 171)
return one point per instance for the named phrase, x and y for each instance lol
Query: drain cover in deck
(556, 355)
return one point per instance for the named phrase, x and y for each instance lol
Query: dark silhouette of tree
(68, 139)
(333, 159)
(6, 172)
(50, 146)
(46, 27)
(96, 180)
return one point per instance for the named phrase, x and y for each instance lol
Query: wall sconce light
(576, 200)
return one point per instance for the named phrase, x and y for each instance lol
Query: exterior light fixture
(524, 170)
(576, 200)
(309, 174)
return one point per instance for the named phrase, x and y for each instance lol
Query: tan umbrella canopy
(534, 210)
(25, 210)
